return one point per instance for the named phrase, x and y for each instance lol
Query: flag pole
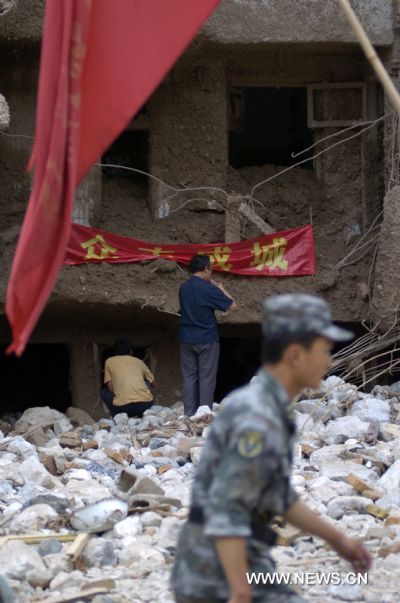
(371, 55)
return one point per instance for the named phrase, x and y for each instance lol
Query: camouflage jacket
(242, 479)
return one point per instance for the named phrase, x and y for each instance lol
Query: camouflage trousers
(275, 595)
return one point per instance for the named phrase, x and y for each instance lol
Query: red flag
(100, 62)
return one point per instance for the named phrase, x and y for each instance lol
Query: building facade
(263, 81)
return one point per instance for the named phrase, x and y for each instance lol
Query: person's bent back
(129, 381)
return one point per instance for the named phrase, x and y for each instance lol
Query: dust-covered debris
(127, 483)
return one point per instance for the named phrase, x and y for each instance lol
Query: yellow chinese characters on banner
(98, 249)
(281, 254)
(270, 256)
(219, 258)
(157, 251)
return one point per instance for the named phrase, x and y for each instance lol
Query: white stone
(62, 425)
(100, 516)
(18, 558)
(371, 409)
(346, 592)
(19, 445)
(202, 411)
(140, 553)
(324, 489)
(334, 408)
(131, 526)
(344, 428)
(315, 408)
(390, 482)
(195, 454)
(34, 518)
(6, 458)
(32, 471)
(150, 519)
(37, 416)
(79, 474)
(121, 420)
(150, 470)
(86, 492)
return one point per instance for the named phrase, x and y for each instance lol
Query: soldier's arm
(301, 516)
(233, 556)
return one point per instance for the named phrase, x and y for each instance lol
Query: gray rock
(58, 503)
(156, 409)
(49, 546)
(371, 409)
(121, 420)
(341, 429)
(145, 485)
(155, 443)
(99, 552)
(314, 408)
(344, 505)
(39, 578)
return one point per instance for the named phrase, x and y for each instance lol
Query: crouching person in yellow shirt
(128, 382)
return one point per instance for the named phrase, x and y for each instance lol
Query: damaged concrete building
(263, 81)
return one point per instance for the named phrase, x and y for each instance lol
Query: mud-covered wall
(92, 305)
(248, 21)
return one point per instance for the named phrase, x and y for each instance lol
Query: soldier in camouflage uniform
(242, 480)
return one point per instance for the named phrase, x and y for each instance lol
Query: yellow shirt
(127, 375)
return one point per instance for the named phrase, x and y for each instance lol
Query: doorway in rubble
(238, 362)
(40, 377)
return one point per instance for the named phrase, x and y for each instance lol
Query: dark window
(267, 125)
(41, 377)
(238, 363)
(130, 149)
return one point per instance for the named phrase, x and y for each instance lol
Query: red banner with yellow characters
(285, 253)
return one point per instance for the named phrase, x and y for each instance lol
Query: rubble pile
(91, 510)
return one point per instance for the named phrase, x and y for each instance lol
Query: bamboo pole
(371, 55)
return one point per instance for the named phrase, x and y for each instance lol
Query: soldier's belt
(260, 530)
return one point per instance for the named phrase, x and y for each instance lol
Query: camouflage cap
(300, 314)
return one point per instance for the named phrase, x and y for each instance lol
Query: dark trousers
(133, 409)
(199, 365)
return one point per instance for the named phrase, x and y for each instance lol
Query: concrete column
(87, 207)
(188, 137)
(84, 378)
(232, 219)
(4, 113)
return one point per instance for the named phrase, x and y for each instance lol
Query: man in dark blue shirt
(199, 297)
